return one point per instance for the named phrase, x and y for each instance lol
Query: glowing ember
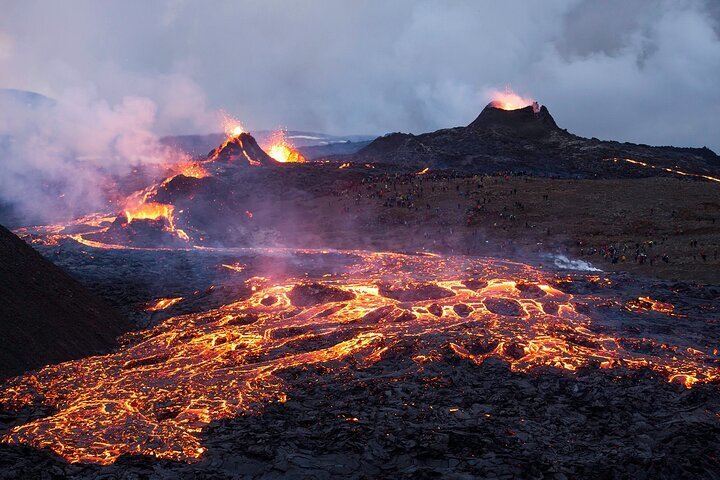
(282, 150)
(194, 170)
(509, 100)
(164, 303)
(158, 392)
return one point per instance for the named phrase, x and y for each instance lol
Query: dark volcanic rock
(413, 292)
(504, 306)
(309, 294)
(462, 310)
(435, 309)
(529, 290)
(45, 315)
(523, 122)
(475, 284)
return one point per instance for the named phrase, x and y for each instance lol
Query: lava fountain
(282, 150)
(509, 100)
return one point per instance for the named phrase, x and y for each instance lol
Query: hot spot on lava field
(406, 312)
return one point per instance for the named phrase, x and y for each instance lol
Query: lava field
(354, 363)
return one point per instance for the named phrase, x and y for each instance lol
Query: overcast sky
(638, 70)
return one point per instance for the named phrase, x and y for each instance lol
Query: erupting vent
(282, 150)
(509, 100)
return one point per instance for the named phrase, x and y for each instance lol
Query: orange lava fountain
(509, 100)
(232, 126)
(282, 150)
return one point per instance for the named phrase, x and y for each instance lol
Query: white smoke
(564, 263)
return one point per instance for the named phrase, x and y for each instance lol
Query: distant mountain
(45, 315)
(24, 97)
(528, 140)
(314, 152)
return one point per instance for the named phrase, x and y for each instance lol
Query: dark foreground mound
(45, 315)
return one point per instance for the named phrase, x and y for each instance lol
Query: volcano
(533, 121)
(151, 216)
(528, 140)
(241, 150)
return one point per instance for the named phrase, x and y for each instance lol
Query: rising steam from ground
(564, 263)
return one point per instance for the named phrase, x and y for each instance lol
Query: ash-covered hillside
(45, 315)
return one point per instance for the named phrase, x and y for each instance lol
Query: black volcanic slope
(242, 150)
(46, 316)
(524, 140)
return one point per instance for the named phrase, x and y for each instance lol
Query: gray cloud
(641, 71)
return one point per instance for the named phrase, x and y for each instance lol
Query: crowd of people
(454, 199)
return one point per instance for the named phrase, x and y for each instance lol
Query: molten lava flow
(236, 267)
(154, 211)
(647, 303)
(423, 171)
(163, 304)
(283, 151)
(158, 392)
(666, 169)
(509, 100)
(150, 211)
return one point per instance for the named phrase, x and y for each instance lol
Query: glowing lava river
(158, 392)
